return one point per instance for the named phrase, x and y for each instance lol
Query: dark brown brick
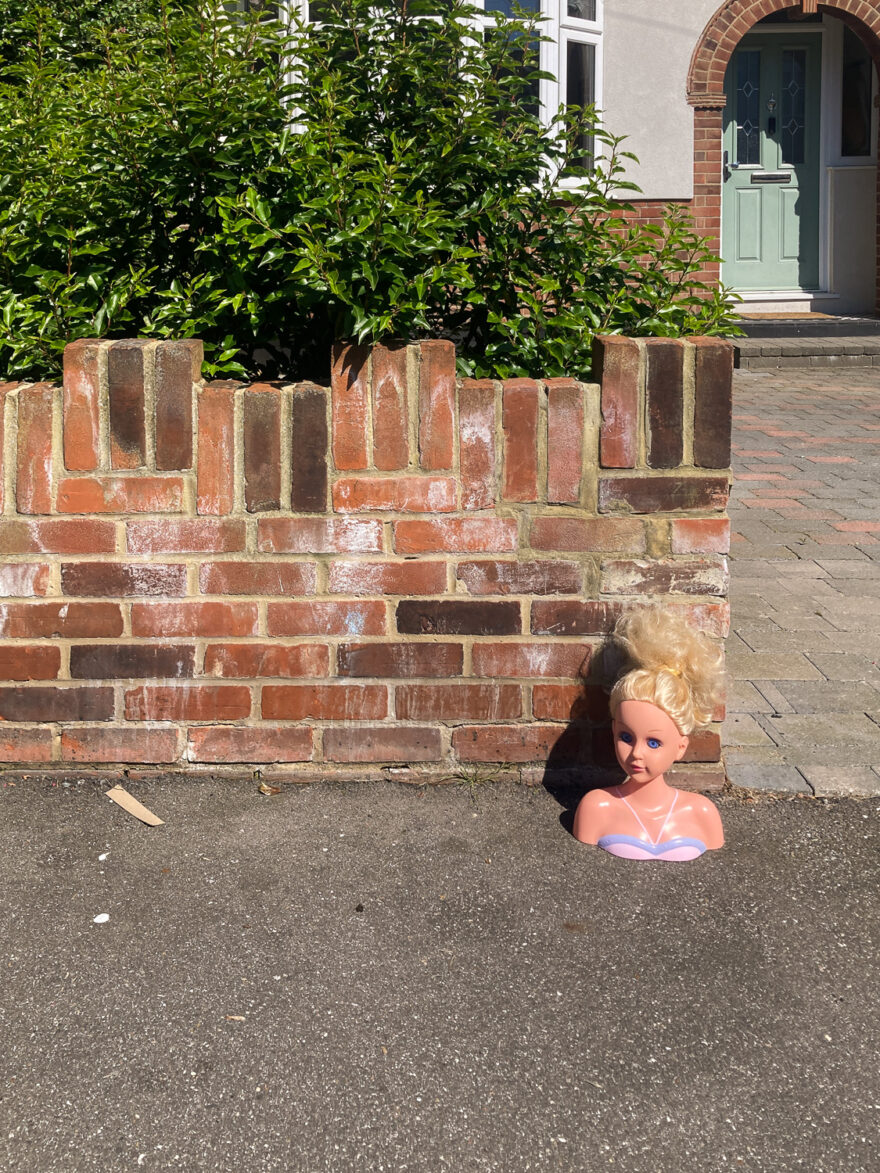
(44, 703)
(713, 382)
(130, 661)
(665, 395)
(262, 449)
(380, 743)
(400, 659)
(457, 617)
(574, 617)
(309, 451)
(661, 494)
(178, 366)
(125, 373)
(520, 578)
(122, 579)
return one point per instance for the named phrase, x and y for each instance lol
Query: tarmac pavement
(381, 978)
(804, 709)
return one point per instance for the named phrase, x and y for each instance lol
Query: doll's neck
(654, 792)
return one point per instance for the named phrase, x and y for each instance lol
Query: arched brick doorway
(705, 92)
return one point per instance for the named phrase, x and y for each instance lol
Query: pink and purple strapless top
(675, 850)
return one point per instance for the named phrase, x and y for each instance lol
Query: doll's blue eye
(627, 737)
(653, 743)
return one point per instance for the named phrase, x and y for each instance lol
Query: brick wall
(401, 575)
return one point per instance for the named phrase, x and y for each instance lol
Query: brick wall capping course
(400, 576)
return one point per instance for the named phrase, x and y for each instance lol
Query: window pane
(793, 113)
(855, 112)
(580, 89)
(506, 6)
(582, 9)
(748, 104)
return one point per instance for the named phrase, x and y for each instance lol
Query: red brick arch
(705, 88)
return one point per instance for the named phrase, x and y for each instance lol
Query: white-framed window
(572, 52)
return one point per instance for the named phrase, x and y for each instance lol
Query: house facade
(760, 115)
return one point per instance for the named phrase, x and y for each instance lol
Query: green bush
(193, 172)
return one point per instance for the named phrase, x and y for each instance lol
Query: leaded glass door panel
(770, 193)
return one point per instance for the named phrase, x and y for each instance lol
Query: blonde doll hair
(669, 664)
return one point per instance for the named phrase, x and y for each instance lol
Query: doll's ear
(682, 748)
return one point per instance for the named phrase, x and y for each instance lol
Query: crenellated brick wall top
(403, 574)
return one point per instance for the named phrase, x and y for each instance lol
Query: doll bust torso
(644, 818)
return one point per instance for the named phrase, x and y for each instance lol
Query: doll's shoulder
(705, 816)
(592, 813)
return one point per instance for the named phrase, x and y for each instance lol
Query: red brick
(450, 702)
(187, 702)
(574, 617)
(325, 702)
(469, 535)
(519, 419)
(262, 743)
(4, 387)
(388, 578)
(616, 368)
(64, 620)
(326, 618)
(315, 535)
(588, 534)
(383, 744)
(390, 414)
(436, 404)
(178, 368)
(309, 457)
(262, 448)
(25, 745)
(520, 578)
(569, 702)
(29, 663)
(350, 406)
(458, 617)
(197, 536)
(109, 743)
(704, 576)
(131, 661)
(528, 660)
(216, 453)
(33, 487)
(416, 494)
(477, 458)
(257, 578)
(506, 743)
(51, 703)
(139, 494)
(80, 402)
(664, 392)
(125, 377)
(252, 661)
(193, 619)
(115, 579)
(400, 659)
(700, 535)
(24, 579)
(565, 441)
(661, 494)
(703, 746)
(57, 536)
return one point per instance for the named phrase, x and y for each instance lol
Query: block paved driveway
(804, 649)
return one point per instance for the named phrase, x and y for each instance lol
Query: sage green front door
(770, 192)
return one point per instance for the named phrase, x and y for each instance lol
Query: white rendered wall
(647, 47)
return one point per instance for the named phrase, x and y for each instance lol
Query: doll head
(668, 664)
